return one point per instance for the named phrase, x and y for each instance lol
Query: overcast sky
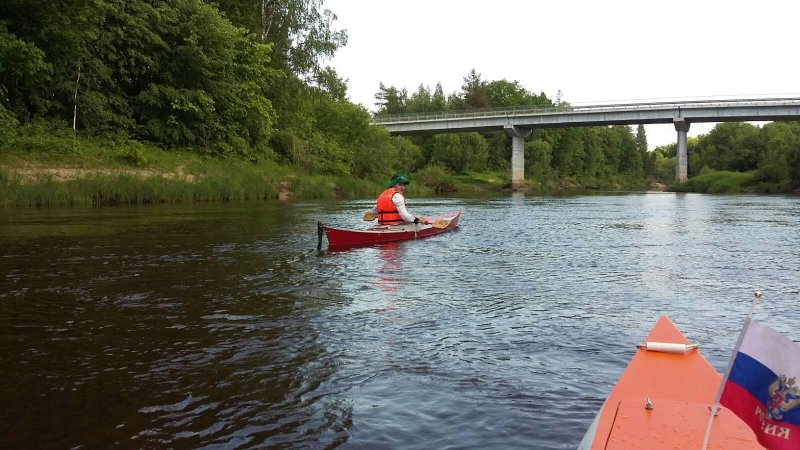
(593, 51)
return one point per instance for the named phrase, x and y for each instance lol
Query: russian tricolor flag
(763, 387)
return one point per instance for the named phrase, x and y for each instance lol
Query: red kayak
(340, 237)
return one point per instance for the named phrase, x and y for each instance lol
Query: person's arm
(400, 203)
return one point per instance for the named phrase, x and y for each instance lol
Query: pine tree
(641, 140)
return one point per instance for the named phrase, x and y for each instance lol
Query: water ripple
(220, 326)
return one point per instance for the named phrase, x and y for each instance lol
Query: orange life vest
(387, 211)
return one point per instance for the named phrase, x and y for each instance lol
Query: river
(221, 326)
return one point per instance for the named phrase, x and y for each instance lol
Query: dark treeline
(246, 79)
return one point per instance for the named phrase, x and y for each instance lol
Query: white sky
(593, 51)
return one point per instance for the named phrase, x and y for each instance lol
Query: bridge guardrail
(516, 111)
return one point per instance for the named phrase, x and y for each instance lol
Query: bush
(8, 124)
(436, 177)
(133, 154)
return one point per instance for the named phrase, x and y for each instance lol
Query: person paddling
(390, 208)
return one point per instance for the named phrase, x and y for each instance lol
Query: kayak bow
(340, 237)
(662, 401)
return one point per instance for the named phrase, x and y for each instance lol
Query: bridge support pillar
(681, 158)
(518, 135)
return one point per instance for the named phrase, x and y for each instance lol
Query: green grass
(721, 182)
(482, 182)
(58, 169)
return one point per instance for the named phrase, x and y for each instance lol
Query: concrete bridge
(519, 122)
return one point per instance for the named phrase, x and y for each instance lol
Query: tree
(391, 100)
(630, 160)
(568, 154)
(438, 100)
(504, 93)
(594, 163)
(782, 140)
(538, 159)
(209, 90)
(300, 31)
(641, 139)
(329, 81)
(177, 73)
(459, 152)
(24, 71)
(302, 37)
(499, 150)
(731, 146)
(420, 101)
(474, 91)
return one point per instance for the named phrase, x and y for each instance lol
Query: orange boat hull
(680, 388)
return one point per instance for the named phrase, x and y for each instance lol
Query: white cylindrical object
(666, 347)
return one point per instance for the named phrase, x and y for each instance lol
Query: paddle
(369, 216)
(440, 223)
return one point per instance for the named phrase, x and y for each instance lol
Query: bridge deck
(773, 109)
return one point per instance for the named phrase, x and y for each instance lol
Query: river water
(221, 326)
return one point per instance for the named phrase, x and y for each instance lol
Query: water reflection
(390, 268)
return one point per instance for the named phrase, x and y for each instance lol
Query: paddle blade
(369, 216)
(440, 223)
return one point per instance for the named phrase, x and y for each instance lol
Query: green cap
(399, 179)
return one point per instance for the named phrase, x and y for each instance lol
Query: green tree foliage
(499, 150)
(503, 93)
(630, 162)
(24, 73)
(641, 139)
(663, 167)
(391, 100)
(781, 140)
(208, 92)
(409, 156)
(420, 101)
(381, 155)
(594, 161)
(731, 146)
(177, 73)
(474, 92)
(217, 77)
(438, 99)
(568, 155)
(300, 31)
(460, 152)
(538, 159)
(770, 154)
(301, 36)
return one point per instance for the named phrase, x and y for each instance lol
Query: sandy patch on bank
(32, 173)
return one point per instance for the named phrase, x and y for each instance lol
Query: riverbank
(39, 179)
(45, 172)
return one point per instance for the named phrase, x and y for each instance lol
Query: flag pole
(714, 409)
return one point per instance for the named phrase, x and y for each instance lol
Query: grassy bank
(59, 169)
(724, 182)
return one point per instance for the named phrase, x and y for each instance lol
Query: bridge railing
(528, 110)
